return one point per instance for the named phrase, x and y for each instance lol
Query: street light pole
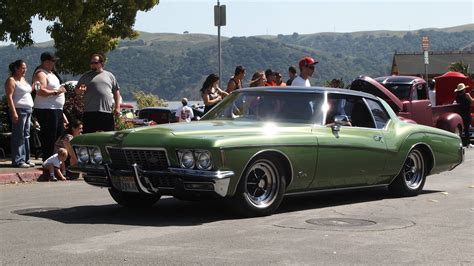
(219, 20)
(219, 45)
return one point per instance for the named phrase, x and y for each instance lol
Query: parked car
(408, 97)
(163, 115)
(261, 144)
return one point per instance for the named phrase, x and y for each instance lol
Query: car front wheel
(134, 200)
(261, 188)
(411, 179)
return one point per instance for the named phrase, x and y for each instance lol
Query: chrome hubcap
(262, 184)
(414, 169)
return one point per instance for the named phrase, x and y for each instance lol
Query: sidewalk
(12, 175)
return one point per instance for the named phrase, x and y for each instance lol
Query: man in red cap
(306, 65)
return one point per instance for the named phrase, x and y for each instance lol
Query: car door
(419, 105)
(354, 155)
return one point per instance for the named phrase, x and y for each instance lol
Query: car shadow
(171, 212)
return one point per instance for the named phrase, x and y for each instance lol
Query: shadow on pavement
(172, 212)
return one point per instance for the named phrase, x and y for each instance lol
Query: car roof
(293, 89)
(399, 79)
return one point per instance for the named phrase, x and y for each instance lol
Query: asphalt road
(74, 223)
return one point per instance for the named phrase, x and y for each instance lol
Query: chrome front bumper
(147, 181)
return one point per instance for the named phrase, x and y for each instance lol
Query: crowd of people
(211, 93)
(45, 101)
(101, 96)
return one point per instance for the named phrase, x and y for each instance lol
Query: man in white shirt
(306, 65)
(184, 113)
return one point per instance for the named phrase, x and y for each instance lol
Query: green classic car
(261, 144)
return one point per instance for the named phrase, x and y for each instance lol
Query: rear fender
(449, 122)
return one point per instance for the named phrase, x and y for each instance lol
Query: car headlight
(187, 159)
(203, 160)
(95, 155)
(82, 155)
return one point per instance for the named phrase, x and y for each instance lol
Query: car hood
(369, 85)
(198, 133)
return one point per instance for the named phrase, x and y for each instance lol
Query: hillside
(174, 65)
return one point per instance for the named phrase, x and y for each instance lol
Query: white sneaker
(470, 146)
(31, 164)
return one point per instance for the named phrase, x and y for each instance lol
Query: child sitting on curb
(55, 165)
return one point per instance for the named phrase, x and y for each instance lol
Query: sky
(273, 17)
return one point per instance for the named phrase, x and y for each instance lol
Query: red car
(408, 97)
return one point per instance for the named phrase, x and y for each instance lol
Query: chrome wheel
(414, 170)
(262, 184)
(412, 176)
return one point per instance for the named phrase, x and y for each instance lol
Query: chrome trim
(201, 173)
(220, 179)
(136, 171)
(332, 189)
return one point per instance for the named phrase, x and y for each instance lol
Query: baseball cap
(48, 56)
(307, 61)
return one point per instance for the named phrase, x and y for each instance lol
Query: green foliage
(4, 116)
(460, 67)
(74, 105)
(147, 100)
(80, 27)
(122, 123)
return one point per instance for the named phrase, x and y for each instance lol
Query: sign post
(425, 44)
(219, 20)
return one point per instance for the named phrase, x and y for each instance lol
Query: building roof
(439, 62)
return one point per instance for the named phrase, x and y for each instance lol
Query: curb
(30, 176)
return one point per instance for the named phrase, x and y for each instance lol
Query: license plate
(127, 184)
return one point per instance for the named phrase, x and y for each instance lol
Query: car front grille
(146, 159)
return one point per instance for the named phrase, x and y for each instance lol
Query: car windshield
(275, 106)
(402, 91)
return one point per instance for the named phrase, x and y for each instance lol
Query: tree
(80, 27)
(460, 67)
(147, 100)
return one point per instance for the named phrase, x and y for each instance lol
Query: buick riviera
(261, 144)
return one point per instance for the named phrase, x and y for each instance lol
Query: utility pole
(219, 20)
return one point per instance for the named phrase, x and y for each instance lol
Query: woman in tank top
(20, 103)
(210, 92)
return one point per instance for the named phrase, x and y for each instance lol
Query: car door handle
(378, 138)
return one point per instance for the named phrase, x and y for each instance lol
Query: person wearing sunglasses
(101, 96)
(307, 65)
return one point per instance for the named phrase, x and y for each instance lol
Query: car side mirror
(342, 120)
(339, 120)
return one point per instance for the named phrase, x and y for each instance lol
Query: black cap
(48, 56)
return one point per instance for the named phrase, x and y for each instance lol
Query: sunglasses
(94, 62)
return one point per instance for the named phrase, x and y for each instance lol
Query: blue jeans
(20, 140)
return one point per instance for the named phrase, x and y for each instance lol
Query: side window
(352, 106)
(419, 92)
(380, 115)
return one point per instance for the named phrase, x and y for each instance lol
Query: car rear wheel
(134, 200)
(412, 177)
(261, 188)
